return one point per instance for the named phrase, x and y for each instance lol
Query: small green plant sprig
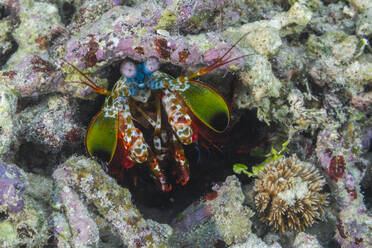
(270, 157)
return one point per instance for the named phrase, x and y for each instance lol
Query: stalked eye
(128, 69)
(152, 64)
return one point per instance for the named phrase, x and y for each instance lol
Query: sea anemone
(288, 194)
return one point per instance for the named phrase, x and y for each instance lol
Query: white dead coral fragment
(8, 126)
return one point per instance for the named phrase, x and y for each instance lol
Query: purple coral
(11, 188)
(82, 227)
(102, 45)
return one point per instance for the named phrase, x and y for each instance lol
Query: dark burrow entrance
(208, 166)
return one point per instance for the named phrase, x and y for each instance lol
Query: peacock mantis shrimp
(187, 103)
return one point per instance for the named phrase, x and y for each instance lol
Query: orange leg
(157, 126)
(182, 169)
(157, 172)
(138, 150)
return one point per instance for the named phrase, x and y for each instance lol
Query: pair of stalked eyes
(129, 69)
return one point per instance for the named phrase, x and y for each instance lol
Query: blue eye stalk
(139, 76)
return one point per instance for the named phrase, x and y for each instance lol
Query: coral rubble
(8, 123)
(51, 123)
(112, 201)
(24, 218)
(308, 78)
(219, 216)
(337, 155)
(11, 188)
